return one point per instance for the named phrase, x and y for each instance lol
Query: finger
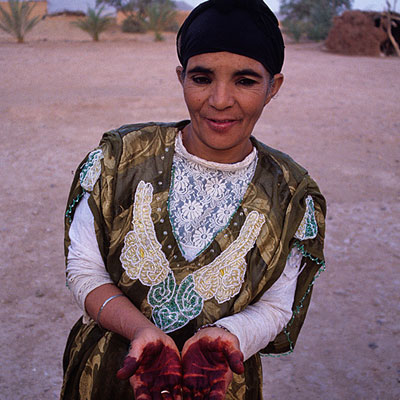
(131, 364)
(216, 396)
(206, 393)
(128, 369)
(172, 371)
(142, 393)
(187, 394)
(166, 395)
(194, 394)
(177, 392)
(171, 376)
(234, 358)
(198, 396)
(159, 392)
(157, 395)
(169, 380)
(218, 390)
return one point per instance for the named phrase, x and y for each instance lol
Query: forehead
(226, 61)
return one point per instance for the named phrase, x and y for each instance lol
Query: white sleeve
(85, 266)
(259, 323)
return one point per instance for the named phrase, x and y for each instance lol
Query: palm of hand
(208, 366)
(158, 369)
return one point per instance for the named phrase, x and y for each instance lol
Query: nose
(221, 96)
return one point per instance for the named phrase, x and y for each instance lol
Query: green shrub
(310, 18)
(132, 24)
(321, 18)
(294, 29)
(94, 23)
(18, 22)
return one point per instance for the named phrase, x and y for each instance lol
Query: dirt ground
(336, 115)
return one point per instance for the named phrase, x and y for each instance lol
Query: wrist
(149, 333)
(104, 305)
(213, 326)
(216, 331)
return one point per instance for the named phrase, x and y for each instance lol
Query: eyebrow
(249, 72)
(246, 71)
(200, 69)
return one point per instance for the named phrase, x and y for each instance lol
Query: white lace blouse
(203, 198)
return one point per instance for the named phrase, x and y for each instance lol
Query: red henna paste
(158, 369)
(206, 365)
(128, 369)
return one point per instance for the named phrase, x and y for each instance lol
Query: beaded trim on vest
(173, 305)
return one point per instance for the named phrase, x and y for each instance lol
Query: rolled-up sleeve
(85, 267)
(259, 323)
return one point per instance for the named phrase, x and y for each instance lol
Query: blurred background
(81, 69)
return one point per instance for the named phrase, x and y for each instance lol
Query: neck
(224, 156)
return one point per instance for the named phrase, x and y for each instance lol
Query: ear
(278, 80)
(180, 72)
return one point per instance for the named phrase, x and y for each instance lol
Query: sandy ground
(336, 115)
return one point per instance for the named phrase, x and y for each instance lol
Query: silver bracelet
(213, 326)
(103, 305)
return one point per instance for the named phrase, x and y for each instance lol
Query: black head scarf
(245, 27)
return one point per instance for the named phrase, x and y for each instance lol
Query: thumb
(132, 360)
(234, 358)
(128, 369)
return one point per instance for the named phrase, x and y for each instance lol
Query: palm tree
(94, 23)
(159, 17)
(17, 22)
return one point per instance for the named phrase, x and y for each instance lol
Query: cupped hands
(158, 372)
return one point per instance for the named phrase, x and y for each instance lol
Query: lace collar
(181, 151)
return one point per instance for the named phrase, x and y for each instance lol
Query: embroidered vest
(129, 178)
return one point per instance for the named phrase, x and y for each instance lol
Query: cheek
(254, 109)
(189, 100)
(194, 99)
(252, 102)
(260, 101)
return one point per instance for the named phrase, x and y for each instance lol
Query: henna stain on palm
(206, 366)
(157, 369)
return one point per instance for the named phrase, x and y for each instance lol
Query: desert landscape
(339, 116)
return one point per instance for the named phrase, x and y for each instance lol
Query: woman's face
(225, 94)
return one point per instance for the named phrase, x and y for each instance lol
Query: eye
(201, 80)
(247, 82)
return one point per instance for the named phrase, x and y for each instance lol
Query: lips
(221, 125)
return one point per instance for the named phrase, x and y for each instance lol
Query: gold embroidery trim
(142, 257)
(223, 277)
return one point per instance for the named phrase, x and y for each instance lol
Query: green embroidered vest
(129, 178)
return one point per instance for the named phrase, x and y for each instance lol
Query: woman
(192, 247)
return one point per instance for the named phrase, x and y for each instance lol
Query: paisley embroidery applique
(223, 277)
(142, 257)
(91, 170)
(308, 227)
(173, 305)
